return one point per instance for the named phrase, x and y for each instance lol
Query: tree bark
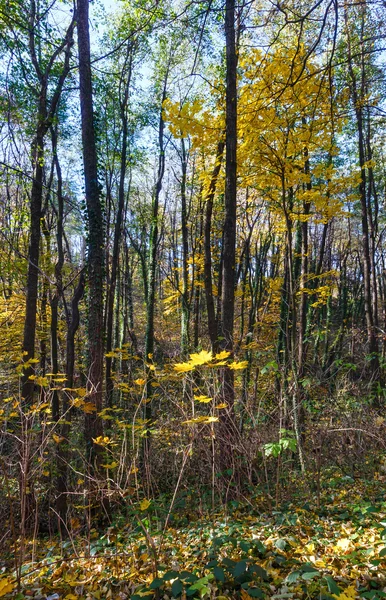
(95, 255)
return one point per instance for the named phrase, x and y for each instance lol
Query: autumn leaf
(222, 355)
(203, 399)
(183, 367)
(57, 438)
(112, 465)
(89, 408)
(102, 440)
(201, 358)
(200, 420)
(236, 366)
(145, 504)
(6, 586)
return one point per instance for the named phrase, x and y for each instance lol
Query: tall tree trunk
(229, 237)
(151, 288)
(357, 96)
(117, 234)
(95, 255)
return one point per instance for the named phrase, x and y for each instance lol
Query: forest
(192, 299)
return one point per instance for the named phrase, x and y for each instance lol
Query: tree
(95, 222)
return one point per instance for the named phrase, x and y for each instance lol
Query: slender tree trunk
(117, 239)
(185, 312)
(208, 282)
(33, 265)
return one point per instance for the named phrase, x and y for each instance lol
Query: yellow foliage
(145, 504)
(183, 367)
(112, 465)
(201, 358)
(203, 399)
(6, 586)
(222, 355)
(238, 366)
(200, 420)
(102, 440)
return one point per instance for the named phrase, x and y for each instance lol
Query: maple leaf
(201, 358)
(222, 355)
(183, 367)
(102, 441)
(236, 366)
(203, 399)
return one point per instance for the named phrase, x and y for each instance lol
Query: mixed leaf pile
(244, 551)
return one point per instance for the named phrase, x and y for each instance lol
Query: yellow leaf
(145, 504)
(82, 392)
(70, 597)
(101, 441)
(58, 438)
(235, 366)
(201, 358)
(183, 367)
(343, 544)
(200, 420)
(112, 465)
(222, 405)
(6, 586)
(89, 408)
(140, 381)
(349, 593)
(204, 399)
(222, 355)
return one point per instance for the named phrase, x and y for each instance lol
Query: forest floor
(245, 550)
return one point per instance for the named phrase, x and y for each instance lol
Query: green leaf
(219, 574)
(382, 552)
(170, 575)
(259, 571)
(294, 576)
(240, 568)
(245, 546)
(260, 546)
(281, 544)
(255, 592)
(332, 587)
(156, 583)
(187, 576)
(307, 568)
(177, 587)
(228, 562)
(310, 575)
